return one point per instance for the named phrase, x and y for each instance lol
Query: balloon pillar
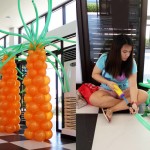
(38, 107)
(9, 98)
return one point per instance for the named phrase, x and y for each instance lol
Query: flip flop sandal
(104, 113)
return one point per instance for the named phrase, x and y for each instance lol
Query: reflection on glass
(56, 19)
(71, 12)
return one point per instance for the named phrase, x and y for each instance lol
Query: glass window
(148, 8)
(7, 41)
(66, 44)
(41, 24)
(56, 20)
(23, 32)
(2, 42)
(71, 12)
(52, 48)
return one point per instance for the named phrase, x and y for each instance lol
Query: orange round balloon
(40, 116)
(48, 134)
(46, 107)
(10, 128)
(47, 125)
(33, 125)
(47, 97)
(28, 134)
(39, 135)
(26, 81)
(39, 98)
(27, 115)
(32, 107)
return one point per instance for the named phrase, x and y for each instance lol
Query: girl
(117, 67)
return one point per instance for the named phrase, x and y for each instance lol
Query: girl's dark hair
(114, 64)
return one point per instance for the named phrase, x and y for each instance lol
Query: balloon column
(9, 98)
(37, 98)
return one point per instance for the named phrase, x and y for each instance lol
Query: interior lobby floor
(122, 133)
(17, 141)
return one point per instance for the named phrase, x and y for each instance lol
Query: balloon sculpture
(147, 110)
(9, 98)
(37, 98)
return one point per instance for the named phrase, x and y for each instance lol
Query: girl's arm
(96, 74)
(133, 93)
(133, 87)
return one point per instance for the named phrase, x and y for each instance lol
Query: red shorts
(86, 90)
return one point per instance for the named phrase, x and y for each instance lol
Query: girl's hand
(134, 109)
(111, 85)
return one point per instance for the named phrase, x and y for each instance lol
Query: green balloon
(146, 85)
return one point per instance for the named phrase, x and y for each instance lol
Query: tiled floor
(17, 141)
(124, 132)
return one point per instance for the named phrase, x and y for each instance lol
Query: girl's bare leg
(103, 99)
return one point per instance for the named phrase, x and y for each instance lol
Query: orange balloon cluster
(37, 98)
(9, 98)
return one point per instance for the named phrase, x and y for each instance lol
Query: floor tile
(30, 144)
(124, 132)
(3, 141)
(12, 138)
(88, 109)
(71, 146)
(10, 146)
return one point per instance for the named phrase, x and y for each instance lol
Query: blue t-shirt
(122, 81)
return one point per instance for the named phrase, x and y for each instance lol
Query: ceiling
(9, 14)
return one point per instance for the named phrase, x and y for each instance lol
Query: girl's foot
(107, 114)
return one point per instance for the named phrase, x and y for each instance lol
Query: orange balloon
(6, 90)
(2, 83)
(17, 127)
(48, 134)
(18, 112)
(28, 134)
(10, 112)
(42, 58)
(42, 72)
(32, 90)
(40, 116)
(15, 120)
(11, 97)
(39, 98)
(29, 66)
(46, 107)
(32, 107)
(11, 71)
(15, 105)
(2, 112)
(32, 73)
(10, 128)
(39, 135)
(5, 105)
(47, 97)
(2, 97)
(26, 81)
(45, 89)
(2, 128)
(15, 90)
(27, 115)
(34, 57)
(33, 125)
(47, 125)
(27, 98)
(49, 116)
(38, 80)
(39, 64)
(46, 80)
(11, 82)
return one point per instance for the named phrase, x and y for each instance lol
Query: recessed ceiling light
(7, 17)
